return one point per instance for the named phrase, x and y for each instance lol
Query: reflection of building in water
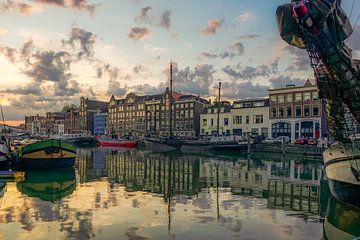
(296, 186)
(149, 172)
(242, 177)
(155, 173)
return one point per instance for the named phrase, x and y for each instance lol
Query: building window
(306, 96)
(258, 119)
(306, 110)
(281, 112)
(281, 98)
(204, 122)
(273, 99)
(237, 120)
(226, 121)
(212, 122)
(237, 132)
(315, 96)
(289, 97)
(316, 110)
(281, 129)
(273, 112)
(298, 97)
(288, 112)
(247, 119)
(298, 111)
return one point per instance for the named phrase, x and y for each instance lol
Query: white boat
(4, 150)
(342, 166)
(76, 137)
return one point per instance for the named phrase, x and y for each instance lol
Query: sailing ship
(169, 142)
(215, 143)
(341, 221)
(321, 27)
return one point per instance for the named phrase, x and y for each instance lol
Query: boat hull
(342, 165)
(127, 144)
(48, 154)
(159, 145)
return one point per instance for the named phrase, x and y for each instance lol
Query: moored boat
(341, 221)
(342, 166)
(8, 174)
(47, 154)
(128, 142)
(79, 138)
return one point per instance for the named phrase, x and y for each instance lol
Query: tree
(68, 107)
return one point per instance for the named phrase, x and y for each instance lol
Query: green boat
(48, 185)
(47, 154)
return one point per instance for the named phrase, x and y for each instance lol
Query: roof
(252, 100)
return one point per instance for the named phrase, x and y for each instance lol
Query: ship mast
(171, 101)
(218, 112)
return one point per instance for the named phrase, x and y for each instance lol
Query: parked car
(301, 141)
(278, 140)
(283, 139)
(312, 141)
(269, 141)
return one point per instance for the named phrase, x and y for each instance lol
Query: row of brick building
(290, 111)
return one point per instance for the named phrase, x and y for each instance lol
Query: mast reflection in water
(135, 194)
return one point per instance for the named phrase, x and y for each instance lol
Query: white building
(296, 112)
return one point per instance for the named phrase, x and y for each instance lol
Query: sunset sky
(52, 52)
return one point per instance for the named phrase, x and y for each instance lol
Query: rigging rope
(352, 8)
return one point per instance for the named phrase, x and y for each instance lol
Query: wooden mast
(171, 101)
(218, 112)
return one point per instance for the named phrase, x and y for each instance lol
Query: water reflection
(342, 221)
(48, 186)
(141, 195)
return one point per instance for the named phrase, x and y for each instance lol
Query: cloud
(80, 38)
(43, 66)
(25, 90)
(81, 5)
(300, 61)
(245, 16)
(140, 69)
(145, 89)
(249, 36)
(155, 49)
(239, 47)
(20, 7)
(115, 89)
(9, 53)
(234, 90)
(139, 33)
(3, 31)
(236, 49)
(196, 80)
(26, 8)
(250, 72)
(212, 26)
(208, 55)
(144, 15)
(282, 81)
(165, 19)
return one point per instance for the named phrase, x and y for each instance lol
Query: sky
(54, 51)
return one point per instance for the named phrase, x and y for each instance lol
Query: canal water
(138, 194)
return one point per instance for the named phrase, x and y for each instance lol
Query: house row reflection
(173, 174)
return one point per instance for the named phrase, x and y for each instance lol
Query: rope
(352, 8)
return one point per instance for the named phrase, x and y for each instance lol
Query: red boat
(121, 142)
